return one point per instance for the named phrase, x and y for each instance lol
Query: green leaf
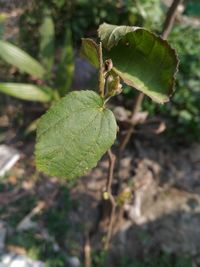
(74, 134)
(142, 59)
(47, 49)
(28, 92)
(89, 50)
(20, 59)
(65, 69)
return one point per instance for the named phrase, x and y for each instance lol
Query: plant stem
(111, 223)
(112, 159)
(170, 18)
(168, 24)
(167, 27)
(101, 72)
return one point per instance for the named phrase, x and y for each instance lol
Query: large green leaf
(65, 71)
(20, 59)
(27, 91)
(47, 49)
(89, 50)
(74, 134)
(142, 59)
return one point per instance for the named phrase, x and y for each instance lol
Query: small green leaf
(28, 92)
(65, 71)
(20, 59)
(47, 49)
(74, 134)
(89, 50)
(142, 59)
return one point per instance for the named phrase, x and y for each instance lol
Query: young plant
(74, 134)
(51, 89)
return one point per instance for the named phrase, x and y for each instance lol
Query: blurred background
(45, 221)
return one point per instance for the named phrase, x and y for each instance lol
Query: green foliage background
(83, 18)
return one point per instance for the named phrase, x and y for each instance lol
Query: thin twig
(167, 27)
(111, 222)
(170, 18)
(87, 252)
(112, 159)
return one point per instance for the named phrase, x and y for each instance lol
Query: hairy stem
(101, 72)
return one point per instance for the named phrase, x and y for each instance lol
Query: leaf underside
(142, 59)
(74, 134)
(111, 34)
